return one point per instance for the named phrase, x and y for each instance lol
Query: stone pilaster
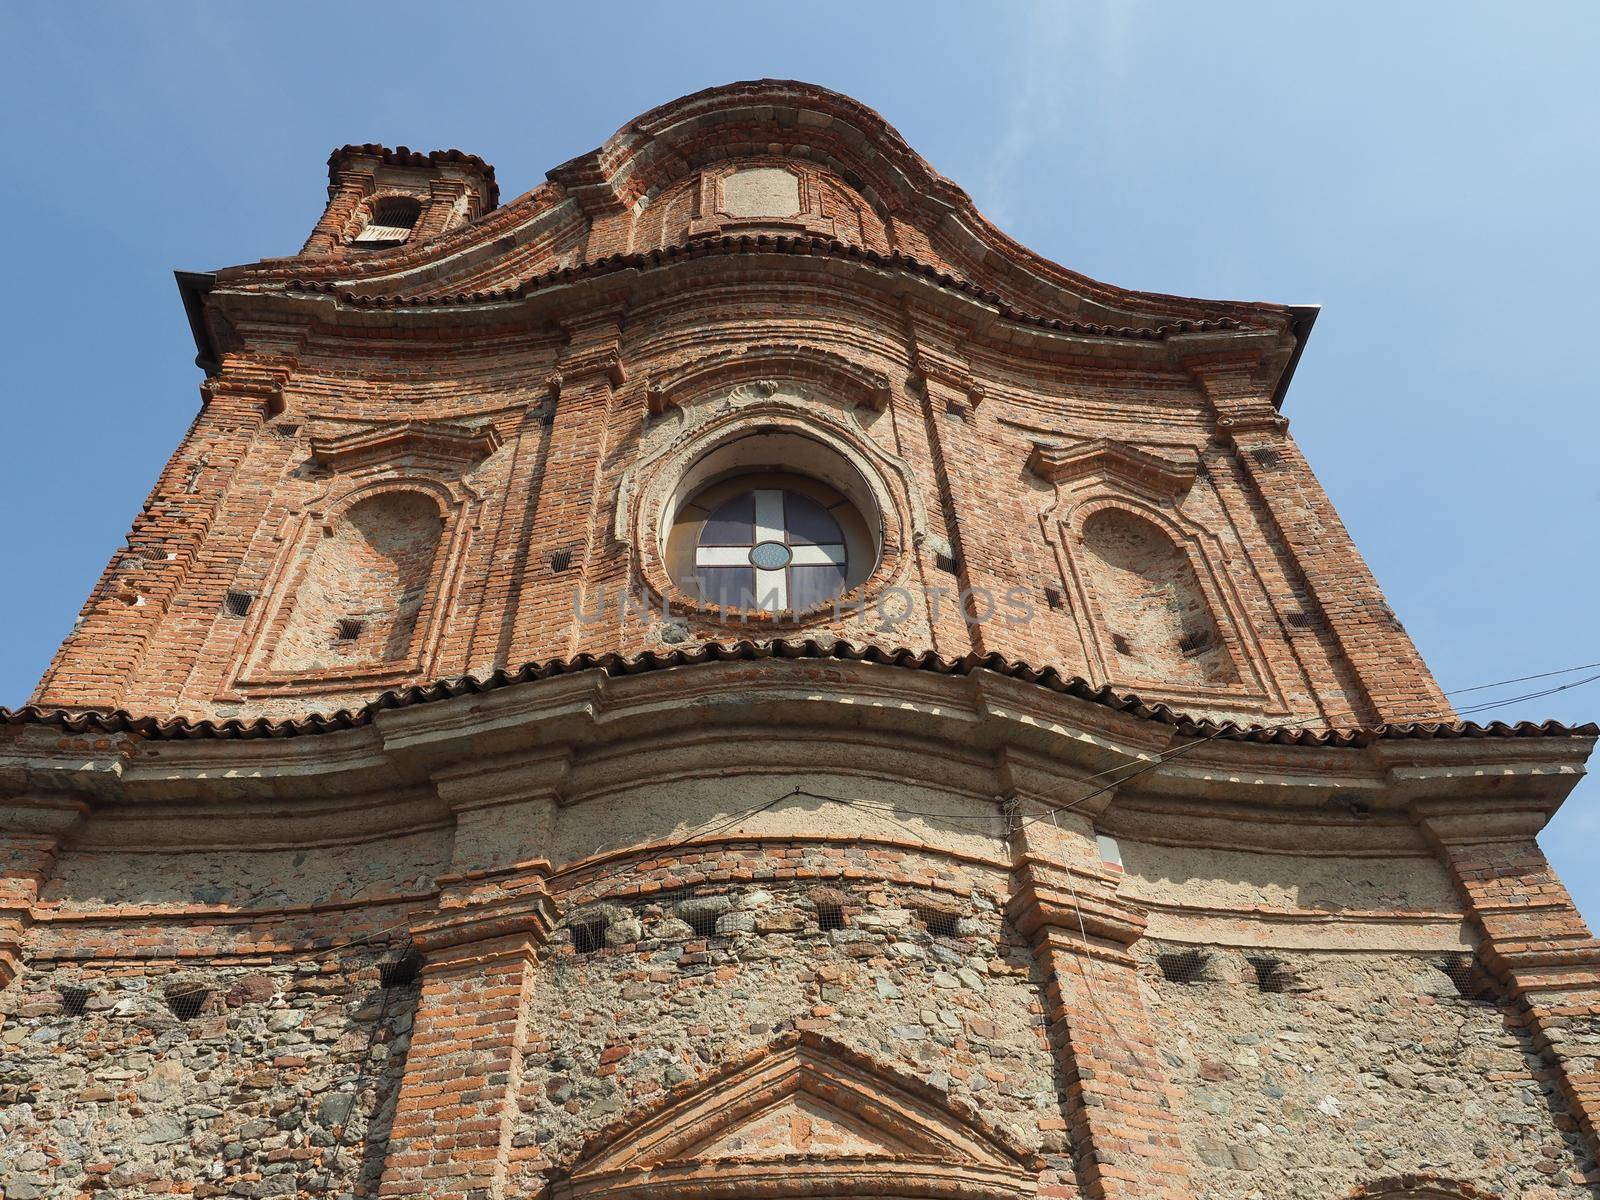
(1534, 940)
(1119, 1102)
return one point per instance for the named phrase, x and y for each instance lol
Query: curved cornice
(677, 138)
(617, 665)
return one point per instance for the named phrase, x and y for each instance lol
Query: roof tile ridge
(179, 727)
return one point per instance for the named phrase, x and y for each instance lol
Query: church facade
(725, 676)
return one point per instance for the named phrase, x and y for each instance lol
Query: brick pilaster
(949, 398)
(565, 508)
(1119, 1102)
(444, 195)
(349, 189)
(458, 1097)
(171, 541)
(1397, 682)
(1535, 941)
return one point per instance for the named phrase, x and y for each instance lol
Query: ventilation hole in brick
(945, 563)
(589, 936)
(1054, 598)
(1271, 975)
(73, 1000)
(187, 1001)
(940, 922)
(1471, 981)
(830, 916)
(285, 431)
(349, 628)
(1195, 642)
(402, 972)
(1266, 458)
(1301, 619)
(702, 921)
(238, 603)
(1121, 644)
(561, 560)
(1183, 966)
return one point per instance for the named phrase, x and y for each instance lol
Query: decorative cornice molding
(1061, 463)
(425, 443)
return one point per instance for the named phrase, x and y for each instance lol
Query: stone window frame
(1105, 474)
(725, 397)
(457, 503)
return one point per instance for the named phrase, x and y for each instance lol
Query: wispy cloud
(1071, 69)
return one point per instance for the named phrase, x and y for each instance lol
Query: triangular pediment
(803, 1110)
(802, 1124)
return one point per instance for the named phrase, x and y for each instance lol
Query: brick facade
(890, 894)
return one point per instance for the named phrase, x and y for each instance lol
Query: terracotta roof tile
(181, 728)
(403, 156)
(766, 244)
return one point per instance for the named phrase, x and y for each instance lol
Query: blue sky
(1426, 172)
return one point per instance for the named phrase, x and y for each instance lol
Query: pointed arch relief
(805, 1117)
(1153, 602)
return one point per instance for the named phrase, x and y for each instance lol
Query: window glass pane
(732, 524)
(731, 587)
(808, 522)
(814, 585)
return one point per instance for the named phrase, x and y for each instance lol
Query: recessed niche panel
(761, 192)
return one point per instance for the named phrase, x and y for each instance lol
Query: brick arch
(363, 212)
(371, 563)
(1150, 603)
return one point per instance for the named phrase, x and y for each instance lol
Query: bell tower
(382, 199)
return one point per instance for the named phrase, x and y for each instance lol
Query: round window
(768, 541)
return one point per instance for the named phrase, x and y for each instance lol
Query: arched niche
(361, 589)
(1149, 591)
(1150, 605)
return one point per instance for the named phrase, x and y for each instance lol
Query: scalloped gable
(592, 206)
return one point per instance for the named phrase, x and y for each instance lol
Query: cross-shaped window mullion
(770, 525)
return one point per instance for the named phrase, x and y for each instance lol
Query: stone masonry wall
(282, 1084)
(683, 982)
(1363, 1066)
